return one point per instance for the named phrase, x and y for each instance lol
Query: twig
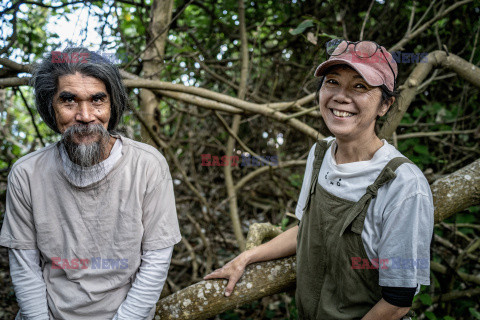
(439, 268)
(259, 171)
(432, 134)
(301, 113)
(450, 296)
(365, 20)
(432, 3)
(242, 144)
(412, 17)
(158, 35)
(206, 243)
(193, 256)
(434, 78)
(164, 146)
(474, 44)
(419, 30)
(32, 117)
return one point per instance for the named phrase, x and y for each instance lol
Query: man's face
(81, 100)
(82, 113)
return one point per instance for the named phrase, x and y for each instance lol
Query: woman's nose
(342, 96)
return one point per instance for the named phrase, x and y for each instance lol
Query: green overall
(328, 238)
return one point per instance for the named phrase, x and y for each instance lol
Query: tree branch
(436, 59)
(421, 29)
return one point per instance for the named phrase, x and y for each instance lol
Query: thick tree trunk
(205, 299)
(457, 191)
(160, 17)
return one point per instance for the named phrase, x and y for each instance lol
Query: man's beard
(89, 154)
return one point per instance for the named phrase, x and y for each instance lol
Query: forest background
(235, 78)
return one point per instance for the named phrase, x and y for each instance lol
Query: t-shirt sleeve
(18, 229)
(159, 219)
(404, 249)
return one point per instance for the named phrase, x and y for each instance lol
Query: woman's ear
(385, 106)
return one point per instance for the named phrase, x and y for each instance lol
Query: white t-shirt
(399, 221)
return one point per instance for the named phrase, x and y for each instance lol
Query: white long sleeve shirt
(30, 288)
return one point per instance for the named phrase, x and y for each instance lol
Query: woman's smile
(350, 106)
(342, 114)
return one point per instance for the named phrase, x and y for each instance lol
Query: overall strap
(320, 150)
(359, 210)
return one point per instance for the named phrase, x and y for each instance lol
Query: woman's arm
(285, 244)
(385, 311)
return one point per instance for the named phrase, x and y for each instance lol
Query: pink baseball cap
(375, 70)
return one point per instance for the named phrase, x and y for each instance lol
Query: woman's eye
(361, 86)
(332, 81)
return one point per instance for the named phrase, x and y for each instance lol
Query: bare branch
(32, 116)
(360, 38)
(409, 89)
(415, 33)
(242, 182)
(433, 133)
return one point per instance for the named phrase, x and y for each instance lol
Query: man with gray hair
(90, 221)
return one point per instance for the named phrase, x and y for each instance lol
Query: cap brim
(368, 74)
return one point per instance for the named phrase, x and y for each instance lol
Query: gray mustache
(85, 130)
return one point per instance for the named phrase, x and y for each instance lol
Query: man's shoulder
(34, 160)
(144, 151)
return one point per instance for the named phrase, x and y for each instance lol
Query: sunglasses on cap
(362, 49)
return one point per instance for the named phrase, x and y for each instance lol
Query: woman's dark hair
(72, 60)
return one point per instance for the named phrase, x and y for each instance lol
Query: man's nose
(85, 112)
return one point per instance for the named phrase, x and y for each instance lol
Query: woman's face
(350, 106)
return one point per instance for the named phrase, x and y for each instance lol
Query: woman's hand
(232, 271)
(281, 246)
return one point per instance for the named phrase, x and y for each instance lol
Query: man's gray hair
(72, 60)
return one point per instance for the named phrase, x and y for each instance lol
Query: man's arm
(148, 285)
(28, 283)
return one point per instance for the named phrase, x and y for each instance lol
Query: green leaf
(474, 313)
(430, 315)
(426, 299)
(295, 180)
(302, 27)
(448, 318)
(421, 149)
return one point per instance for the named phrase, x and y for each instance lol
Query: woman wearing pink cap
(365, 210)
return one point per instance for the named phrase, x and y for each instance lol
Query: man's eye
(68, 100)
